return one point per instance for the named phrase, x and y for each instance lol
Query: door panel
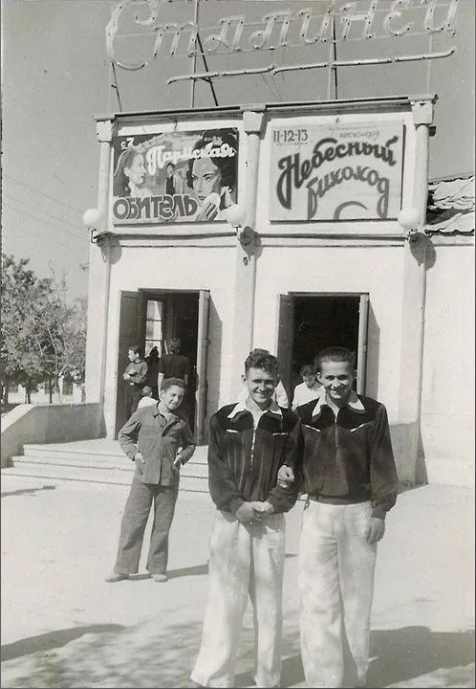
(202, 351)
(286, 340)
(362, 343)
(131, 331)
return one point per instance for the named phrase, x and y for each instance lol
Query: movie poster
(174, 177)
(336, 172)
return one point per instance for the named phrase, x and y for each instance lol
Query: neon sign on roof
(320, 23)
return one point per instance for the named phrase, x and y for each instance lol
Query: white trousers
(245, 560)
(336, 578)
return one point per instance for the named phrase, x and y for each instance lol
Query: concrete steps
(97, 461)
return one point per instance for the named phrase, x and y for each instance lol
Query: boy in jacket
(351, 480)
(248, 442)
(158, 442)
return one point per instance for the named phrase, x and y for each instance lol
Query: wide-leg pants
(245, 560)
(134, 521)
(336, 579)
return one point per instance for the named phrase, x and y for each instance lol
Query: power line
(42, 193)
(30, 230)
(40, 210)
(16, 210)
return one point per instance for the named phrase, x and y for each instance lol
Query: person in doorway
(279, 396)
(153, 371)
(249, 441)
(147, 399)
(135, 377)
(308, 390)
(351, 480)
(158, 442)
(174, 365)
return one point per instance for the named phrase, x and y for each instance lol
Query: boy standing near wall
(249, 441)
(351, 480)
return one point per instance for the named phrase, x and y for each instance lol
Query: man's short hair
(175, 345)
(261, 358)
(135, 348)
(168, 382)
(334, 354)
(308, 370)
(146, 391)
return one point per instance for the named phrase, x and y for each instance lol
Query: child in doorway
(308, 390)
(158, 442)
(351, 481)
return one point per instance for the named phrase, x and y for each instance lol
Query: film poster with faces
(336, 172)
(174, 177)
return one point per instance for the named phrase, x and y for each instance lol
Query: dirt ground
(63, 626)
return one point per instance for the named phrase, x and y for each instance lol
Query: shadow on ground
(25, 491)
(157, 655)
(51, 640)
(402, 655)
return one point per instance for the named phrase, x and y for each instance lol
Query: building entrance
(311, 322)
(152, 318)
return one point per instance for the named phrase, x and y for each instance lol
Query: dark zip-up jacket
(158, 440)
(349, 458)
(243, 463)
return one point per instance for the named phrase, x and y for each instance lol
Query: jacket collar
(242, 407)
(353, 402)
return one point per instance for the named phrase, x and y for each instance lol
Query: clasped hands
(250, 512)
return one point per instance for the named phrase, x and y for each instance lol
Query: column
(246, 249)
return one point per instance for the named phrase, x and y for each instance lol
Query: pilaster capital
(104, 131)
(422, 111)
(253, 119)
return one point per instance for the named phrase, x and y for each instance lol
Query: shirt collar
(353, 402)
(242, 407)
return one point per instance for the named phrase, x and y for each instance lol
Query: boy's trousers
(244, 560)
(134, 520)
(336, 578)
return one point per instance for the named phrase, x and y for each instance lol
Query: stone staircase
(97, 461)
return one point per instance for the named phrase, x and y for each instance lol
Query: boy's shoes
(160, 577)
(115, 576)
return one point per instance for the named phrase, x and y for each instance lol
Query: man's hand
(139, 462)
(375, 530)
(285, 476)
(262, 509)
(245, 514)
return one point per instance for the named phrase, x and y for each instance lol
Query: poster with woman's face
(174, 177)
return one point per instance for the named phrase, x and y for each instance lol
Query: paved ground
(62, 626)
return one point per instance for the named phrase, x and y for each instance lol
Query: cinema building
(290, 227)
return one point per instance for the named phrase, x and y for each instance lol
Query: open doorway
(309, 323)
(153, 318)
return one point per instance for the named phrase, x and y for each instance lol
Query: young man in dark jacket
(249, 442)
(351, 480)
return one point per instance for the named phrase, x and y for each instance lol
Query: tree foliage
(43, 334)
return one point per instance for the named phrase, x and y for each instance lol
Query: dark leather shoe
(115, 576)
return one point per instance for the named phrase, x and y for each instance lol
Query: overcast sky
(56, 76)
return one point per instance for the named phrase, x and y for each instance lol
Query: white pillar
(99, 279)
(246, 251)
(414, 288)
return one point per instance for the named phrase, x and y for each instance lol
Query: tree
(43, 336)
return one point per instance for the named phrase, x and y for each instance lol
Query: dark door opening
(310, 323)
(154, 318)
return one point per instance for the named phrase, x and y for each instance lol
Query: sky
(56, 76)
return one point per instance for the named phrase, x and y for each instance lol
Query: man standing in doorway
(135, 377)
(249, 442)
